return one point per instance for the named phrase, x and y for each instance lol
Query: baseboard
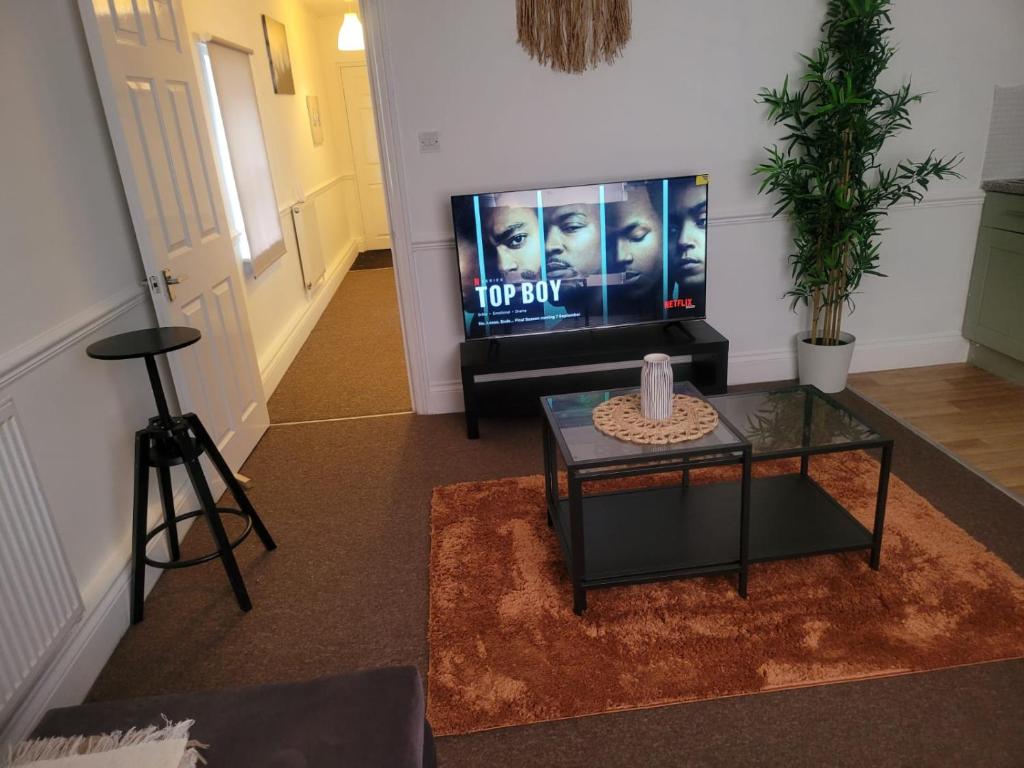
(780, 364)
(770, 365)
(91, 642)
(997, 363)
(444, 397)
(880, 355)
(910, 352)
(285, 355)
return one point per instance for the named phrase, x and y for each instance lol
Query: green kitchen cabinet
(995, 302)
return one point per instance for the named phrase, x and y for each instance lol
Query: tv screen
(591, 256)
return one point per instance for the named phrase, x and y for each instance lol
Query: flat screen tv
(593, 256)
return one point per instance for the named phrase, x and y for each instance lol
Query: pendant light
(350, 36)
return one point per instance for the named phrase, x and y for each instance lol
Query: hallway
(353, 363)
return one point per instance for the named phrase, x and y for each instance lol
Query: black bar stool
(168, 441)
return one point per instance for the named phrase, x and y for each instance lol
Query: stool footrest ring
(167, 564)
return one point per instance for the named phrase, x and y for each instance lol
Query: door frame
(389, 143)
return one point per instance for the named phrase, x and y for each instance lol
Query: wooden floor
(976, 415)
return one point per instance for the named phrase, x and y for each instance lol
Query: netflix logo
(680, 304)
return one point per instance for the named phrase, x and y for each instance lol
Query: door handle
(170, 280)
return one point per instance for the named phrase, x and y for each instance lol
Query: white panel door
(146, 72)
(366, 156)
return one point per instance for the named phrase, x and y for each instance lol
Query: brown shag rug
(506, 648)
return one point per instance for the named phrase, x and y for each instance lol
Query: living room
(398, 541)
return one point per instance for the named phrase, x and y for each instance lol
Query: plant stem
(815, 310)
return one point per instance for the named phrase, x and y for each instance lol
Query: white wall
(681, 99)
(281, 312)
(69, 275)
(69, 254)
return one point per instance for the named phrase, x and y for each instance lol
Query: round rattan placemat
(620, 417)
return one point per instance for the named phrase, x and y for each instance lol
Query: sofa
(366, 719)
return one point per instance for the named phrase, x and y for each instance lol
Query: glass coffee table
(794, 516)
(647, 534)
(659, 532)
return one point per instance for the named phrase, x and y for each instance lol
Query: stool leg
(139, 525)
(229, 479)
(163, 475)
(227, 555)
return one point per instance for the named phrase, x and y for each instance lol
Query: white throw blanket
(167, 747)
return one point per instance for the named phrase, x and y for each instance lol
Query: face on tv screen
(582, 257)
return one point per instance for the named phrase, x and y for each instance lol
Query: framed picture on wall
(277, 51)
(315, 124)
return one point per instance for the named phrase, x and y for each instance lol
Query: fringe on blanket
(56, 747)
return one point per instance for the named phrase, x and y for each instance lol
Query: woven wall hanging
(573, 35)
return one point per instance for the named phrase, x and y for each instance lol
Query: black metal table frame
(685, 460)
(580, 472)
(804, 453)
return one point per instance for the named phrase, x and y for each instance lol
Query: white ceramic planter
(824, 367)
(656, 387)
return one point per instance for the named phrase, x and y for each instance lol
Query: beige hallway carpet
(353, 363)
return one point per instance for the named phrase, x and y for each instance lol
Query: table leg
(579, 594)
(686, 477)
(229, 479)
(163, 476)
(550, 485)
(805, 459)
(209, 507)
(140, 520)
(883, 492)
(745, 523)
(469, 402)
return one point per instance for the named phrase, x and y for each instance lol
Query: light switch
(430, 141)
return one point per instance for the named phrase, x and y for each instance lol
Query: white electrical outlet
(430, 141)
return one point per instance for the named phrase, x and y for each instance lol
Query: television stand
(679, 327)
(508, 375)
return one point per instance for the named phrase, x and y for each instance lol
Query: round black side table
(166, 442)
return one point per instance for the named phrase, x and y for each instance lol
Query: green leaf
(827, 175)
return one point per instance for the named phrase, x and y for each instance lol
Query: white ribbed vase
(656, 387)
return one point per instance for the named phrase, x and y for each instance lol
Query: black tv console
(525, 362)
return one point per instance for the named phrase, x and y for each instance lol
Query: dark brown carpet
(506, 648)
(353, 363)
(349, 503)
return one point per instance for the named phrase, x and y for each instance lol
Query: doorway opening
(353, 363)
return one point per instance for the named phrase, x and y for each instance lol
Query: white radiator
(307, 237)
(39, 602)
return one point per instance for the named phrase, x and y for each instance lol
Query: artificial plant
(828, 178)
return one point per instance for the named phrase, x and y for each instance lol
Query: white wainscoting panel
(39, 602)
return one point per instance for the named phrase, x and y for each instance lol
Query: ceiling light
(350, 36)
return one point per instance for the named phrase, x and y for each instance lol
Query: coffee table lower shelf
(668, 532)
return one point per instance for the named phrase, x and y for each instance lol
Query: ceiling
(331, 7)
